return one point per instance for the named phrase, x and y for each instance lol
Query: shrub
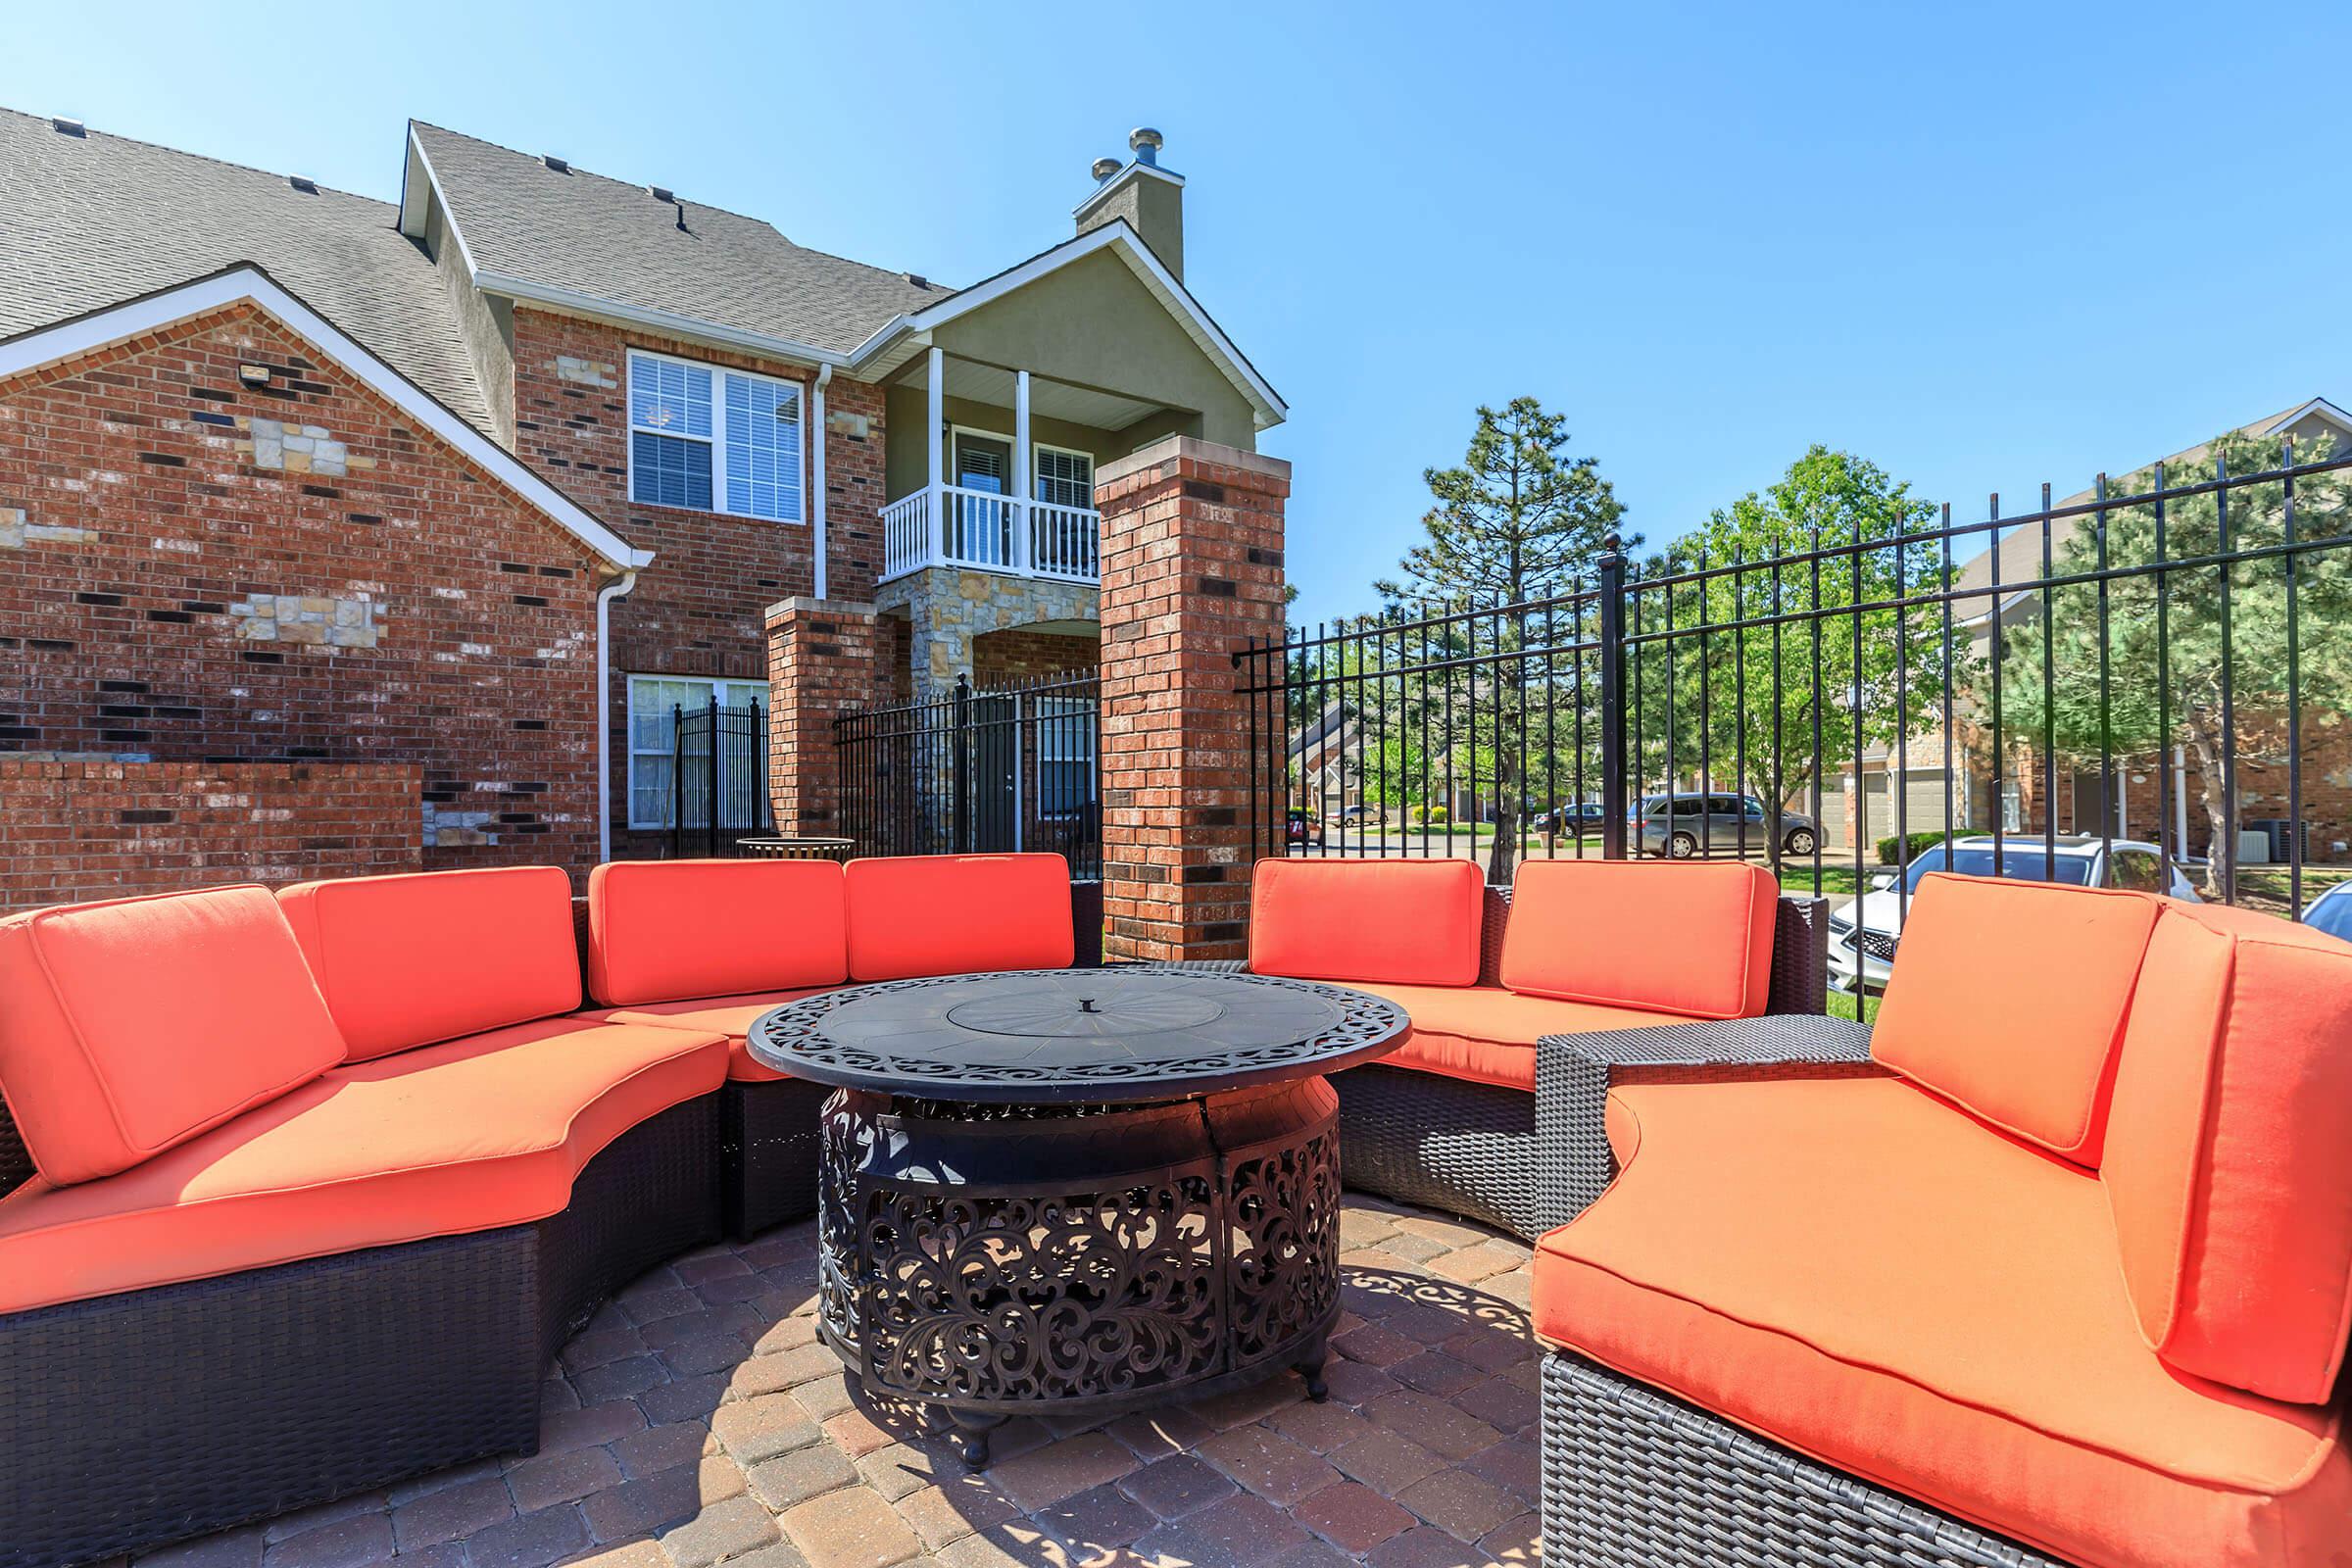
(1428, 817)
(1921, 842)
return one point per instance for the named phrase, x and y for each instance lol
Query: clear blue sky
(1983, 246)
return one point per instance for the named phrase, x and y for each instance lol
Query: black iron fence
(718, 780)
(2149, 685)
(1014, 766)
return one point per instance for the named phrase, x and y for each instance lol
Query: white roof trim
(1114, 181)
(1117, 236)
(2318, 406)
(137, 318)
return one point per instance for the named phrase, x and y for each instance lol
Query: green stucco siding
(1096, 325)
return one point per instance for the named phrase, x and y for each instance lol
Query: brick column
(824, 657)
(1192, 569)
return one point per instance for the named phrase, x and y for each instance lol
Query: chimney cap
(1105, 167)
(1146, 143)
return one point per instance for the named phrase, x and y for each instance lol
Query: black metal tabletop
(1074, 1036)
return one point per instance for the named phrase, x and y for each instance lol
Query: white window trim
(954, 430)
(717, 440)
(1066, 452)
(628, 687)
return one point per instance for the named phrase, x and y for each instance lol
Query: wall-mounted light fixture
(253, 375)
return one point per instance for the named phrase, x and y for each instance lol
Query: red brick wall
(99, 830)
(1017, 654)
(1191, 569)
(821, 664)
(699, 609)
(429, 617)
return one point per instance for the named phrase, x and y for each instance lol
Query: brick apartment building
(487, 481)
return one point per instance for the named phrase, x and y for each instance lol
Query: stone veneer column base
(1191, 569)
(824, 657)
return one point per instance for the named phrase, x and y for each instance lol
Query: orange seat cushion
(2229, 1163)
(405, 960)
(1849, 1267)
(1488, 1035)
(917, 914)
(2009, 999)
(661, 930)
(129, 1026)
(465, 1136)
(1410, 922)
(728, 1016)
(1693, 939)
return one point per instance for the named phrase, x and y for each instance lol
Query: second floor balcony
(964, 525)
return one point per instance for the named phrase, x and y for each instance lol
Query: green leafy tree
(1768, 706)
(2167, 678)
(1518, 520)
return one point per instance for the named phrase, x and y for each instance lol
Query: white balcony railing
(949, 525)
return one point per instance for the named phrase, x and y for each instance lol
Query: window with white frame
(1065, 478)
(1065, 755)
(655, 704)
(714, 440)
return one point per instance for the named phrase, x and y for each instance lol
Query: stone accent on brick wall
(1191, 569)
(83, 829)
(445, 829)
(16, 532)
(586, 373)
(822, 661)
(949, 606)
(297, 447)
(306, 620)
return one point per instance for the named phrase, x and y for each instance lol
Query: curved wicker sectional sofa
(302, 1193)
(2053, 1266)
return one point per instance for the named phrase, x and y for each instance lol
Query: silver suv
(1681, 826)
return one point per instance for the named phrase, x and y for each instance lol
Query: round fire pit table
(1079, 1191)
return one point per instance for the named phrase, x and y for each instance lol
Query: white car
(1864, 932)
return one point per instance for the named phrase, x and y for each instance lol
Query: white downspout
(604, 710)
(817, 464)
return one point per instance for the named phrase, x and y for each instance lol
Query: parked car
(1865, 931)
(1583, 817)
(1304, 828)
(1355, 813)
(2331, 912)
(1681, 826)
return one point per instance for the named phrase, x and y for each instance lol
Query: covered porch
(995, 470)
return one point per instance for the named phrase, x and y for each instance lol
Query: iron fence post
(1612, 699)
(962, 838)
(677, 781)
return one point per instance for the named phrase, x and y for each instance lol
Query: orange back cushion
(916, 915)
(2008, 998)
(1406, 923)
(664, 930)
(406, 960)
(2229, 1163)
(129, 1026)
(1688, 939)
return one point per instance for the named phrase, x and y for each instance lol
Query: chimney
(1149, 197)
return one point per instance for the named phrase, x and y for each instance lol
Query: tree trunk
(1503, 857)
(2204, 734)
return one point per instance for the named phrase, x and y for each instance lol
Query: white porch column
(936, 376)
(1023, 536)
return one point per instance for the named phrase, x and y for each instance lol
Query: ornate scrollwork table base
(1082, 1241)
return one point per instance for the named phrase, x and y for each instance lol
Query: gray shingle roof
(92, 220)
(614, 241)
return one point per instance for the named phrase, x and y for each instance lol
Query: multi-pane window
(655, 703)
(714, 440)
(1065, 478)
(1065, 755)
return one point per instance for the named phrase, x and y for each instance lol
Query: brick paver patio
(697, 1421)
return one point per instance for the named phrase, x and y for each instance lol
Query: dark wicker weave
(135, 1419)
(1498, 1155)
(768, 1153)
(15, 1161)
(1632, 1479)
